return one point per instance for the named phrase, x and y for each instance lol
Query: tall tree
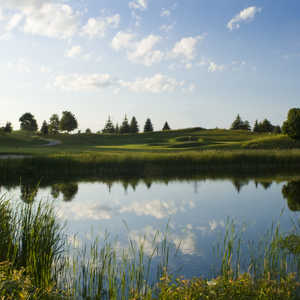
(291, 126)
(239, 124)
(256, 127)
(109, 126)
(236, 124)
(148, 126)
(134, 127)
(125, 128)
(28, 122)
(45, 128)
(166, 126)
(68, 122)
(54, 124)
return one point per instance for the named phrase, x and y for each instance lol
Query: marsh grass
(150, 164)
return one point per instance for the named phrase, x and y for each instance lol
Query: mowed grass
(174, 141)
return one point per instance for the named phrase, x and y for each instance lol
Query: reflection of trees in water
(291, 192)
(239, 183)
(68, 190)
(28, 192)
(264, 184)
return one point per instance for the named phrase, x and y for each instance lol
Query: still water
(196, 212)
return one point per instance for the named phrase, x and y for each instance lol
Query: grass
(179, 152)
(38, 264)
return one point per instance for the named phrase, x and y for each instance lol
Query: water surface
(196, 212)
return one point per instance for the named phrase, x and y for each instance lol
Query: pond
(196, 212)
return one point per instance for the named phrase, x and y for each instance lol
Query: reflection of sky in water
(196, 212)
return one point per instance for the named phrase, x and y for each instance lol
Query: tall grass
(40, 261)
(31, 238)
(150, 164)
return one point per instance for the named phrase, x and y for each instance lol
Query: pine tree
(109, 127)
(256, 127)
(125, 128)
(45, 128)
(148, 126)
(117, 129)
(134, 128)
(166, 126)
(236, 123)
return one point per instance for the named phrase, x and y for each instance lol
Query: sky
(191, 63)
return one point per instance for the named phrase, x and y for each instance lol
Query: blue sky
(193, 63)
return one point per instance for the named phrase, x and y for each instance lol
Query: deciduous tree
(28, 122)
(68, 122)
(54, 124)
(291, 126)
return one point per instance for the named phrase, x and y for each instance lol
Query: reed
(40, 264)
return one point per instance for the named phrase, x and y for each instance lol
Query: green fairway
(194, 139)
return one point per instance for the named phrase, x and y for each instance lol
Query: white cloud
(138, 4)
(186, 47)
(52, 20)
(156, 84)
(165, 13)
(13, 22)
(144, 53)
(122, 40)
(245, 15)
(77, 82)
(43, 18)
(138, 51)
(97, 27)
(73, 52)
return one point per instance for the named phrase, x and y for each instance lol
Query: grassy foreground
(35, 263)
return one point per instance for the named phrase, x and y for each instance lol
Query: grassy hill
(191, 139)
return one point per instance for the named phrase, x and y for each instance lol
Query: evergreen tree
(148, 126)
(134, 128)
(8, 127)
(256, 127)
(45, 128)
(117, 129)
(267, 126)
(125, 128)
(88, 131)
(54, 124)
(68, 122)
(109, 127)
(236, 123)
(28, 122)
(166, 126)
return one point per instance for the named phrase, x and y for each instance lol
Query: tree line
(290, 127)
(263, 126)
(68, 123)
